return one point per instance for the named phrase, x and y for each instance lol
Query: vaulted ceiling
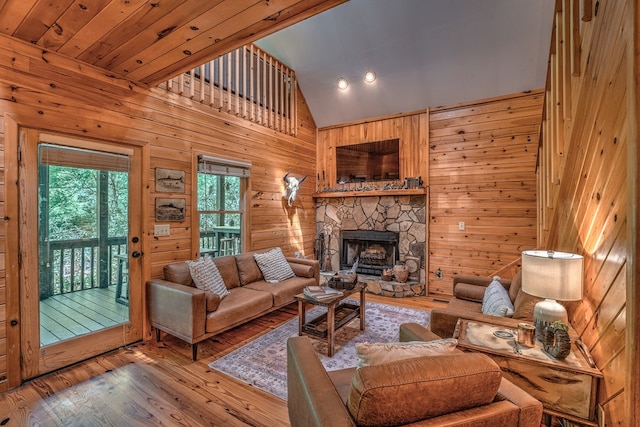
(149, 41)
(425, 53)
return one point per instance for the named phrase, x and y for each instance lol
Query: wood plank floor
(78, 313)
(157, 384)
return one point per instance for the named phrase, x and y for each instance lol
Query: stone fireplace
(397, 224)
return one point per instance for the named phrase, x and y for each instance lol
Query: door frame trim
(12, 126)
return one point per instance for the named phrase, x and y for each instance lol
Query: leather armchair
(320, 398)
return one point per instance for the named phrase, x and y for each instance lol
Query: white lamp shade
(552, 275)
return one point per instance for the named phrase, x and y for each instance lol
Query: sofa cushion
(206, 276)
(469, 292)
(240, 305)
(523, 306)
(408, 391)
(516, 284)
(284, 291)
(228, 270)
(178, 272)
(379, 353)
(248, 270)
(496, 300)
(213, 301)
(274, 266)
(302, 270)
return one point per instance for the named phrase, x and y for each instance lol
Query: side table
(567, 388)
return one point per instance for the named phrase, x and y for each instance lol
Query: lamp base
(545, 313)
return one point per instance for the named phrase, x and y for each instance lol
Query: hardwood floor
(154, 383)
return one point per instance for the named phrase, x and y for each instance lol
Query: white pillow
(496, 300)
(274, 266)
(206, 276)
(378, 353)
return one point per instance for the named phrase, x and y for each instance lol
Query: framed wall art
(170, 209)
(169, 180)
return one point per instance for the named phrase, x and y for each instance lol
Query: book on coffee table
(321, 293)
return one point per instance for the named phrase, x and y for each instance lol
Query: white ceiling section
(425, 53)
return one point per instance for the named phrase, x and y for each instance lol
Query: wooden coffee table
(338, 314)
(567, 388)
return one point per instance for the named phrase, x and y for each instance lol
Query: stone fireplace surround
(401, 214)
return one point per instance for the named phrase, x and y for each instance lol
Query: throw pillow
(274, 266)
(379, 353)
(496, 300)
(206, 276)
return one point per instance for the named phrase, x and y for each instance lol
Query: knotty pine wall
(478, 160)
(482, 160)
(412, 129)
(588, 135)
(47, 91)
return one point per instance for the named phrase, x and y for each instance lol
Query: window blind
(57, 155)
(220, 166)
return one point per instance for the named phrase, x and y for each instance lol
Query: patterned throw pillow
(496, 300)
(378, 353)
(206, 276)
(274, 266)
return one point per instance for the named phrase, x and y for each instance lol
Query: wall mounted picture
(169, 180)
(170, 209)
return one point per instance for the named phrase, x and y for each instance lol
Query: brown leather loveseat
(177, 307)
(466, 303)
(457, 389)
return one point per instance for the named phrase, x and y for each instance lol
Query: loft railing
(74, 265)
(246, 82)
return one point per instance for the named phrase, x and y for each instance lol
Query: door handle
(135, 254)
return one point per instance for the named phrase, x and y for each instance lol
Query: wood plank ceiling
(149, 41)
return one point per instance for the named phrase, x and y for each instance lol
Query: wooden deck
(67, 316)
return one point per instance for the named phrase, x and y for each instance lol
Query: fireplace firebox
(374, 250)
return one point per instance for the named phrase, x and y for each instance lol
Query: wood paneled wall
(584, 182)
(482, 159)
(411, 129)
(47, 91)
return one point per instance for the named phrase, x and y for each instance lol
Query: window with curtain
(221, 190)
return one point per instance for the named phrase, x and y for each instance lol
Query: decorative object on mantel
(556, 340)
(292, 185)
(554, 276)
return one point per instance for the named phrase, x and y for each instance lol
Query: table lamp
(553, 276)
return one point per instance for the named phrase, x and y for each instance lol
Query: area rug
(263, 362)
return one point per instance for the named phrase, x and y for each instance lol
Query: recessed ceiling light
(343, 83)
(369, 76)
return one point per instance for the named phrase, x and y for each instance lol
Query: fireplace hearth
(374, 250)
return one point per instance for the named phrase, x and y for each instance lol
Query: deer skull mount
(292, 185)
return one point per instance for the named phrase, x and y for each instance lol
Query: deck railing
(248, 83)
(220, 241)
(74, 265)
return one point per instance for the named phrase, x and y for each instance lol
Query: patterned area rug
(263, 362)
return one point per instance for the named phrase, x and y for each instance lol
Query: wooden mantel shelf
(369, 193)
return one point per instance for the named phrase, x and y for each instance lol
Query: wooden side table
(338, 314)
(567, 388)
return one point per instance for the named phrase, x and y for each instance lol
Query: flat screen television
(368, 161)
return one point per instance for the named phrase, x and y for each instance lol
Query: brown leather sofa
(177, 307)
(459, 389)
(466, 303)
